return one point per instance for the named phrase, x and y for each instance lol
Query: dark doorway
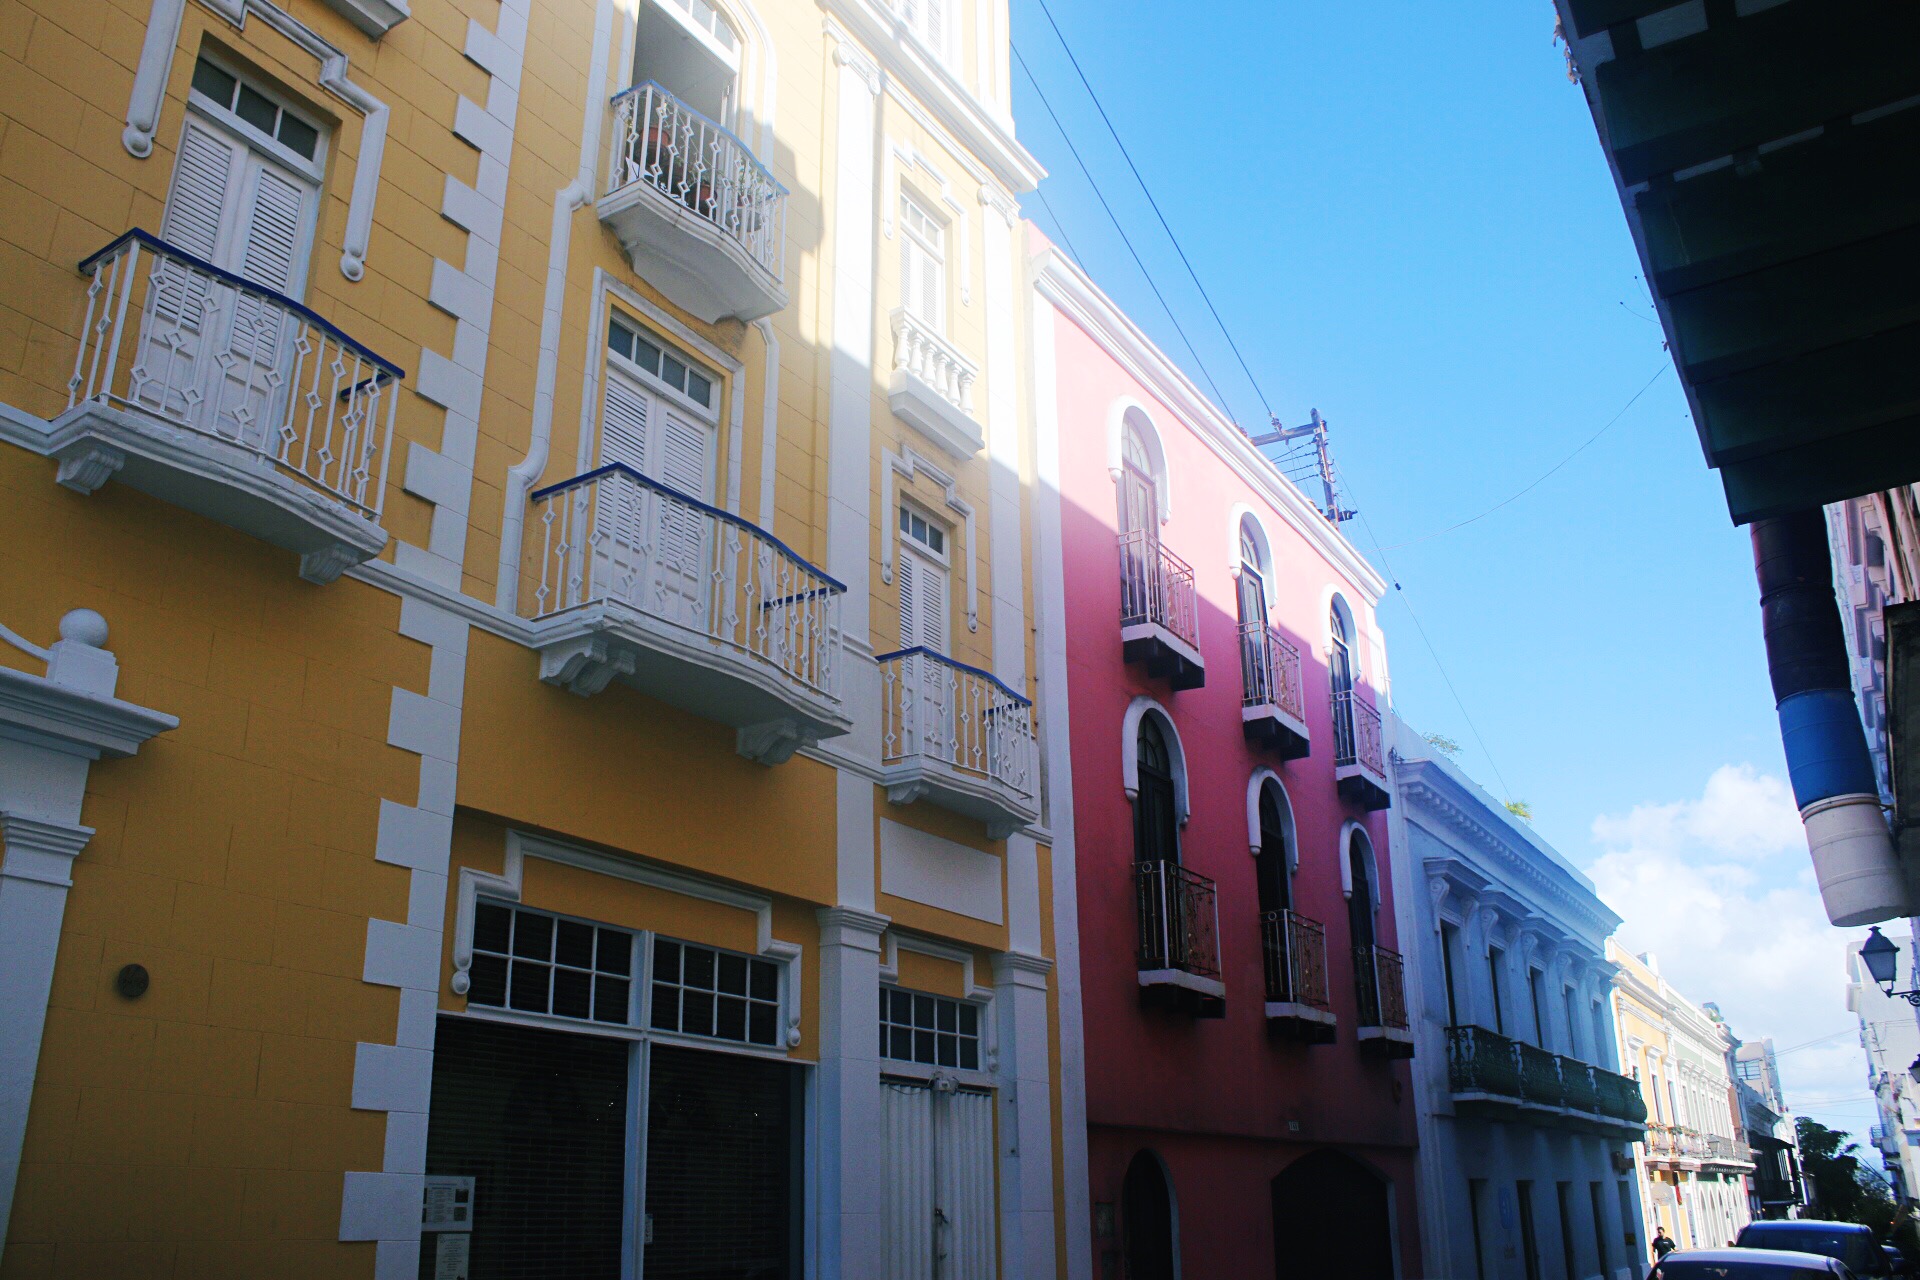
(1330, 1218)
(1271, 868)
(1146, 1219)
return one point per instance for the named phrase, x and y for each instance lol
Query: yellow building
(1691, 1169)
(541, 768)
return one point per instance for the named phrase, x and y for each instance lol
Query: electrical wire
(1164, 225)
(1059, 226)
(1112, 217)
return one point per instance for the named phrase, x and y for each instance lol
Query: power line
(1164, 225)
(1101, 196)
(1059, 226)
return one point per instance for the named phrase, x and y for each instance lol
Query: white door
(929, 687)
(656, 545)
(211, 355)
(940, 1183)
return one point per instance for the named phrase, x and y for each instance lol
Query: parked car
(1896, 1260)
(1749, 1264)
(1850, 1242)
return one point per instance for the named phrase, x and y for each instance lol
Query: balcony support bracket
(774, 741)
(585, 665)
(85, 465)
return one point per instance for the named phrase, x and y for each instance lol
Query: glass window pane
(532, 935)
(948, 1014)
(949, 1051)
(969, 1020)
(731, 1018)
(969, 1055)
(675, 374)
(666, 1007)
(923, 1047)
(766, 981)
(666, 961)
(696, 1012)
(645, 354)
(699, 968)
(256, 109)
(572, 993)
(616, 952)
(699, 389)
(488, 977)
(214, 83)
(903, 1008)
(298, 136)
(733, 974)
(610, 999)
(923, 1011)
(574, 946)
(620, 339)
(529, 987)
(492, 927)
(902, 1044)
(760, 1026)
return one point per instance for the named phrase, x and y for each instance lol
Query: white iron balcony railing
(959, 737)
(262, 385)
(932, 385)
(704, 168)
(687, 601)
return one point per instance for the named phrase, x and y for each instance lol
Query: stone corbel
(773, 742)
(1437, 889)
(586, 665)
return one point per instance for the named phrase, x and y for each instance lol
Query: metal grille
(1295, 950)
(1380, 986)
(1156, 587)
(1269, 670)
(1179, 921)
(1356, 733)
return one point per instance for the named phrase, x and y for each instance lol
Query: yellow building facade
(524, 706)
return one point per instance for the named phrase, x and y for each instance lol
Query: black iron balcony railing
(1269, 670)
(1620, 1097)
(1179, 921)
(1380, 983)
(1480, 1061)
(1356, 734)
(1156, 588)
(1295, 952)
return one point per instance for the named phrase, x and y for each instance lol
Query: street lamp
(1882, 959)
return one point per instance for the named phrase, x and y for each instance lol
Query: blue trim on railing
(744, 148)
(728, 516)
(958, 666)
(280, 299)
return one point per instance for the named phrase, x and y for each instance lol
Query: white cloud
(1719, 888)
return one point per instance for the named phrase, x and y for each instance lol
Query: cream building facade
(541, 767)
(1694, 1164)
(1890, 1039)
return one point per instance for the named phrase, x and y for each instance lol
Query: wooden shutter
(197, 203)
(270, 250)
(623, 504)
(623, 422)
(682, 455)
(935, 26)
(908, 576)
(923, 600)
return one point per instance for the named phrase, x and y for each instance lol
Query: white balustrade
(938, 711)
(920, 351)
(178, 339)
(693, 161)
(616, 536)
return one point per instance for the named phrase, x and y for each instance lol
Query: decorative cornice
(1021, 968)
(38, 710)
(852, 924)
(39, 850)
(1067, 287)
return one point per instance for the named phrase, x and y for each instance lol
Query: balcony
(1727, 1152)
(1294, 951)
(1179, 937)
(1502, 1079)
(687, 603)
(699, 215)
(1272, 708)
(931, 387)
(1379, 982)
(1359, 760)
(230, 400)
(1159, 615)
(953, 735)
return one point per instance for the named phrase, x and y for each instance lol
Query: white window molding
(1120, 414)
(1255, 786)
(150, 88)
(506, 887)
(894, 941)
(909, 465)
(895, 154)
(1141, 707)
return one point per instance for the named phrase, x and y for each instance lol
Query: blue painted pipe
(1826, 749)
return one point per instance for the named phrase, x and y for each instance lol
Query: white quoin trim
(1127, 409)
(1350, 831)
(150, 90)
(1261, 777)
(1141, 707)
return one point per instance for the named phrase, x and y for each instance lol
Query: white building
(1774, 1190)
(1891, 1039)
(1523, 1117)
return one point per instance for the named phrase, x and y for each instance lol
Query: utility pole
(1316, 428)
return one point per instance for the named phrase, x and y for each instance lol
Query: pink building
(1249, 1111)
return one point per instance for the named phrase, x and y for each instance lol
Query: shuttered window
(924, 585)
(928, 20)
(923, 266)
(940, 1182)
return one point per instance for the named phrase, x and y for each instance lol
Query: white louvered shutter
(911, 1225)
(966, 1185)
(621, 542)
(908, 576)
(934, 26)
(197, 204)
(680, 450)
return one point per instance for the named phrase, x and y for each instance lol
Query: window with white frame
(703, 991)
(923, 264)
(659, 413)
(928, 19)
(934, 1031)
(925, 584)
(533, 962)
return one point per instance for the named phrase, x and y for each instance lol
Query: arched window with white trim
(1156, 820)
(1340, 672)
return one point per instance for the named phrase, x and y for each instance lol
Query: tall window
(1566, 1007)
(1496, 961)
(1449, 943)
(1600, 1250)
(1139, 491)
(927, 19)
(1253, 585)
(1156, 823)
(690, 50)
(1536, 993)
(1360, 904)
(923, 265)
(925, 588)
(1529, 1237)
(1271, 869)
(1340, 674)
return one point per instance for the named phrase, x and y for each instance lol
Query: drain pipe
(570, 199)
(1827, 760)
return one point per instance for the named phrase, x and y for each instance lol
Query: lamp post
(1882, 959)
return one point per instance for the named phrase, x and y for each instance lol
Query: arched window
(1273, 863)
(1156, 822)
(1147, 1220)
(1360, 899)
(1139, 484)
(1340, 673)
(1253, 574)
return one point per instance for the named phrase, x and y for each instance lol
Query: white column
(850, 1159)
(850, 388)
(51, 729)
(1026, 1116)
(1006, 572)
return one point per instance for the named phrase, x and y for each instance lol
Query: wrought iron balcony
(688, 603)
(1509, 1079)
(1379, 981)
(954, 735)
(1294, 954)
(1179, 928)
(699, 215)
(212, 393)
(1159, 613)
(1272, 705)
(1359, 756)
(931, 386)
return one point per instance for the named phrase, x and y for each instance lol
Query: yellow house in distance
(1693, 1166)
(524, 695)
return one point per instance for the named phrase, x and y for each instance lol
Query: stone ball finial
(84, 626)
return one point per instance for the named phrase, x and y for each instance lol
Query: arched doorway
(1330, 1218)
(1146, 1220)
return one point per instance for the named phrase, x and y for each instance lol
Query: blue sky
(1403, 213)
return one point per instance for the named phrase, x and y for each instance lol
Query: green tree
(1443, 744)
(1844, 1189)
(1520, 809)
